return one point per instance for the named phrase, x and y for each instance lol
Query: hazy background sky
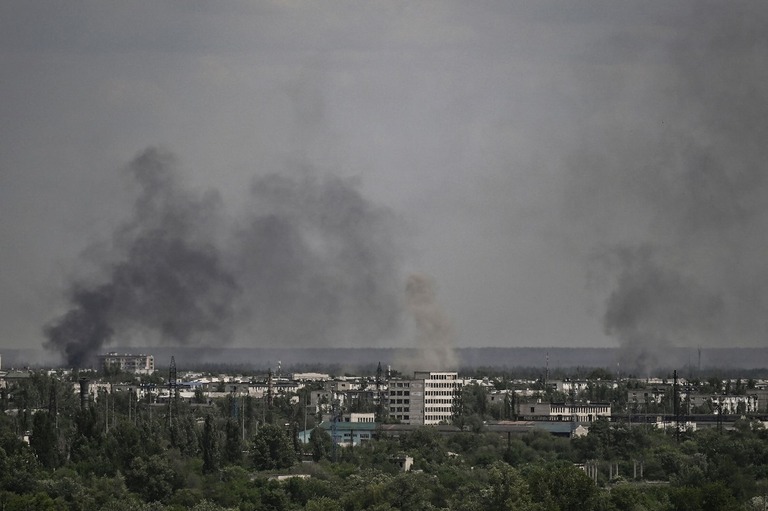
(566, 173)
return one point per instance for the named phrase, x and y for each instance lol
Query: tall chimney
(84, 382)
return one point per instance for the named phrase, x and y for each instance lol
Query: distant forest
(687, 361)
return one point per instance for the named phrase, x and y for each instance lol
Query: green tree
(561, 486)
(412, 492)
(232, 442)
(272, 449)
(323, 504)
(507, 489)
(209, 446)
(153, 478)
(44, 440)
(123, 443)
(471, 407)
(23, 474)
(320, 444)
(425, 443)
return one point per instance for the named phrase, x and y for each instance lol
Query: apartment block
(427, 398)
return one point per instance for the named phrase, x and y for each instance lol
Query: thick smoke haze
(583, 174)
(311, 263)
(318, 263)
(688, 184)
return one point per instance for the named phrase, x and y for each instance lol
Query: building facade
(427, 398)
(579, 412)
(137, 364)
(729, 405)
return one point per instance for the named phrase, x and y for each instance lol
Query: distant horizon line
(392, 348)
(222, 348)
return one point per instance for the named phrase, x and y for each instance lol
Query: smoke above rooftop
(674, 200)
(576, 175)
(310, 262)
(435, 341)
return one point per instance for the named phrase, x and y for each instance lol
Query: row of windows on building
(362, 436)
(400, 393)
(580, 409)
(438, 401)
(440, 393)
(438, 376)
(400, 409)
(438, 409)
(441, 385)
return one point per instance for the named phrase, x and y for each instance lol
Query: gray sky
(567, 173)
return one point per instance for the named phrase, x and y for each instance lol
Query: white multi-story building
(726, 404)
(569, 386)
(138, 364)
(428, 398)
(441, 390)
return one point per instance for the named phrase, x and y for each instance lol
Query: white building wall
(440, 393)
(426, 399)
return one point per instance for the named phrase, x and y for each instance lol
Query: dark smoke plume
(311, 263)
(82, 331)
(652, 307)
(319, 263)
(168, 278)
(678, 188)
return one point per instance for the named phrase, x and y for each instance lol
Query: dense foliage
(118, 454)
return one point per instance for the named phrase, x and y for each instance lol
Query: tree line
(120, 453)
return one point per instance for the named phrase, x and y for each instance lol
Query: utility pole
(106, 411)
(113, 405)
(676, 397)
(379, 404)
(172, 386)
(304, 402)
(699, 366)
(53, 404)
(334, 439)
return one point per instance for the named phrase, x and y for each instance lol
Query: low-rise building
(648, 395)
(579, 412)
(359, 417)
(715, 404)
(346, 433)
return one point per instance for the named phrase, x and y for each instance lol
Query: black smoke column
(165, 279)
(82, 331)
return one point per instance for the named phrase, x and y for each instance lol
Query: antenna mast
(172, 389)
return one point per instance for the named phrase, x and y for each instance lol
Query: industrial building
(137, 364)
(428, 398)
(579, 412)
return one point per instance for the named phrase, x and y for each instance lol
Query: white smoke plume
(435, 342)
